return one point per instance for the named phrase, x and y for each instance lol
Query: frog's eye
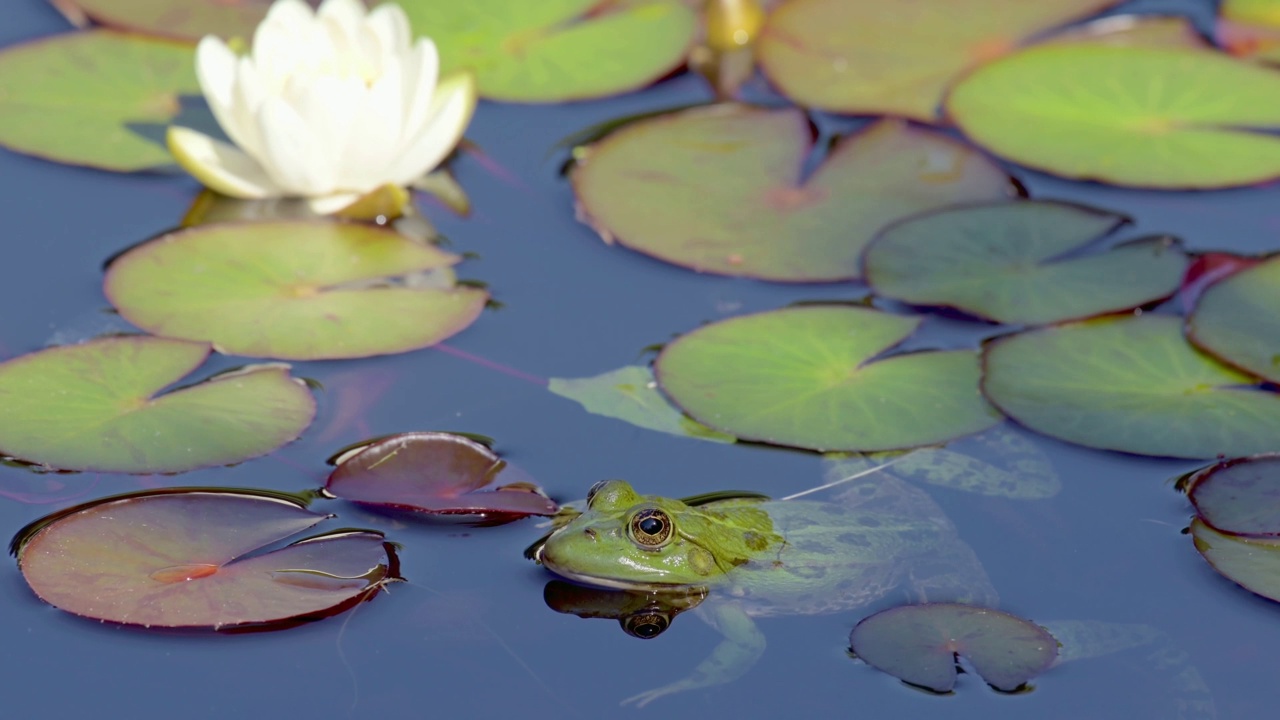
(650, 528)
(645, 625)
(591, 494)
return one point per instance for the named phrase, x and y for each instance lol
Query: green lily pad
(718, 189)
(95, 406)
(178, 19)
(72, 98)
(298, 290)
(181, 558)
(1130, 384)
(805, 377)
(997, 462)
(1156, 117)
(863, 58)
(919, 644)
(555, 50)
(1252, 562)
(631, 393)
(1239, 496)
(1236, 320)
(1016, 262)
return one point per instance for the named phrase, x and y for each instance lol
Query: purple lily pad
(1239, 496)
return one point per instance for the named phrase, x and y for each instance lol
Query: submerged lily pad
(719, 189)
(631, 394)
(1252, 562)
(1236, 319)
(1240, 496)
(1148, 117)
(436, 473)
(184, 558)
(297, 290)
(179, 19)
(805, 377)
(96, 406)
(1130, 384)
(555, 50)
(1016, 262)
(73, 98)
(869, 58)
(919, 645)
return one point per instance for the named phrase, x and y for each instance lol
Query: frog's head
(627, 540)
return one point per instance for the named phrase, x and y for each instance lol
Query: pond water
(470, 635)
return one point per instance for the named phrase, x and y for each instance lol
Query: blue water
(471, 636)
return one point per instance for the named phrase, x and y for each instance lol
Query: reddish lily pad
(896, 58)
(1208, 269)
(1235, 319)
(718, 189)
(919, 644)
(303, 290)
(1250, 561)
(178, 19)
(185, 558)
(1240, 496)
(436, 473)
(96, 406)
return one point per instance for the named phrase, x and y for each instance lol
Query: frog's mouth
(605, 581)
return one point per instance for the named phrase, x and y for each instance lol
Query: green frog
(752, 557)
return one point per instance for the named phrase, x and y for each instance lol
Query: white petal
(421, 70)
(247, 97)
(216, 72)
(372, 145)
(291, 155)
(391, 26)
(452, 107)
(329, 204)
(348, 13)
(220, 166)
(328, 105)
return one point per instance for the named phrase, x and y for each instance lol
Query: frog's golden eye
(645, 625)
(651, 528)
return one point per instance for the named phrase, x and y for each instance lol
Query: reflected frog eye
(650, 528)
(646, 625)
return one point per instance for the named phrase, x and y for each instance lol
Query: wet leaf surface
(179, 19)
(1020, 263)
(437, 473)
(86, 98)
(554, 50)
(805, 377)
(1252, 562)
(1130, 384)
(718, 189)
(631, 394)
(297, 290)
(189, 558)
(1239, 496)
(1235, 319)
(95, 406)
(896, 58)
(1150, 117)
(919, 644)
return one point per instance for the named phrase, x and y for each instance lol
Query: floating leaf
(631, 394)
(1207, 269)
(179, 19)
(870, 58)
(805, 377)
(1138, 29)
(1130, 384)
(298, 290)
(83, 98)
(1147, 117)
(1239, 496)
(1236, 319)
(719, 189)
(554, 50)
(436, 473)
(1251, 562)
(95, 406)
(1016, 262)
(919, 645)
(1250, 28)
(180, 558)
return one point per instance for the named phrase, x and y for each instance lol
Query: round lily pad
(865, 58)
(919, 644)
(181, 558)
(805, 377)
(299, 290)
(1249, 561)
(179, 19)
(555, 50)
(719, 189)
(1236, 319)
(1131, 384)
(96, 406)
(90, 98)
(437, 473)
(631, 394)
(1017, 262)
(1240, 496)
(1157, 117)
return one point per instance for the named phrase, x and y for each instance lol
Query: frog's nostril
(589, 532)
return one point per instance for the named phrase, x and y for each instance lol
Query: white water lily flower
(328, 106)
